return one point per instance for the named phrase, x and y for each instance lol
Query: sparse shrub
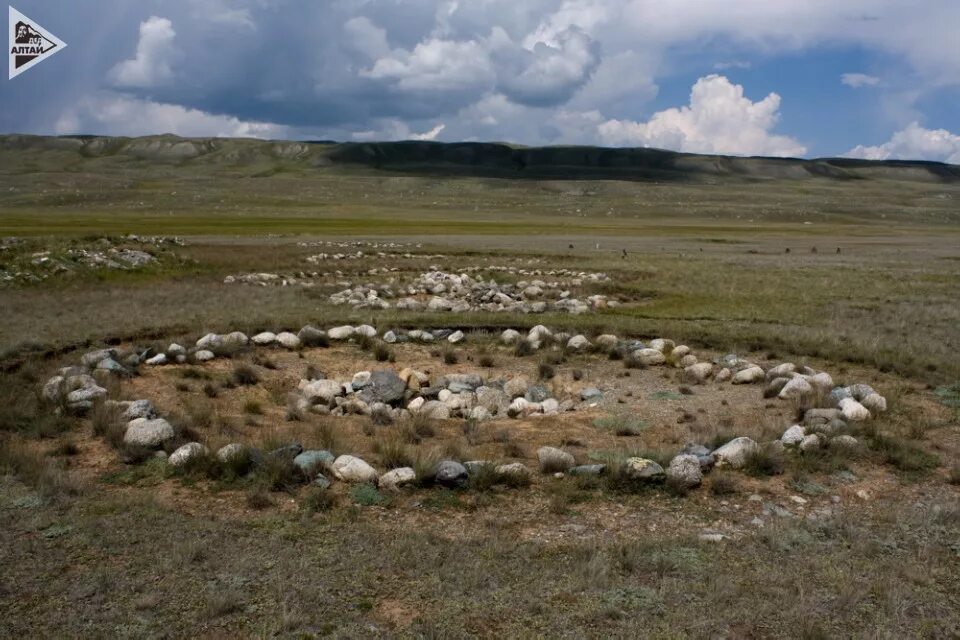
(278, 473)
(555, 358)
(41, 473)
(450, 357)
(417, 428)
(523, 349)
(512, 449)
(546, 371)
(383, 354)
(365, 342)
(616, 480)
(192, 373)
(824, 459)
(252, 406)
(441, 499)
(723, 483)
(621, 424)
(265, 362)
(393, 452)
(317, 500)
(236, 466)
(804, 485)
(381, 416)
(205, 466)
(329, 436)
(515, 480)
(763, 461)
(200, 412)
(486, 361)
(258, 499)
(563, 494)
(953, 476)
(471, 431)
(315, 340)
(483, 478)
(366, 495)
(65, 449)
(222, 602)
(902, 455)
(456, 450)
(424, 465)
(245, 375)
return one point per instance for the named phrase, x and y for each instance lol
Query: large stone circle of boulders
(389, 395)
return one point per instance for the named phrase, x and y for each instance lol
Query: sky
(873, 79)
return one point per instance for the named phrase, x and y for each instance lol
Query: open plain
(426, 390)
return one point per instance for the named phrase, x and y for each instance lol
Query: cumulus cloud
(913, 143)
(393, 129)
(540, 69)
(120, 115)
(155, 50)
(435, 65)
(857, 80)
(547, 73)
(719, 119)
(544, 73)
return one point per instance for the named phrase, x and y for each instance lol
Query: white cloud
(366, 37)
(119, 115)
(429, 135)
(719, 119)
(151, 66)
(732, 64)
(542, 72)
(914, 143)
(857, 80)
(435, 65)
(546, 73)
(393, 129)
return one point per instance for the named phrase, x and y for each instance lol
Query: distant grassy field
(707, 254)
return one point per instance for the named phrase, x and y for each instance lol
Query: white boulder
(352, 469)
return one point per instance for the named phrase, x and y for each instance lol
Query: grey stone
(232, 451)
(536, 393)
(588, 470)
(450, 473)
(684, 471)
(734, 453)
(552, 459)
(186, 453)
(148, 433)
(288, 340)
(385, 386)
(395, 478)
(312, 460)
(591, 393)
(92, 358)
(311, 336)
(353, 469)
(642, 469)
